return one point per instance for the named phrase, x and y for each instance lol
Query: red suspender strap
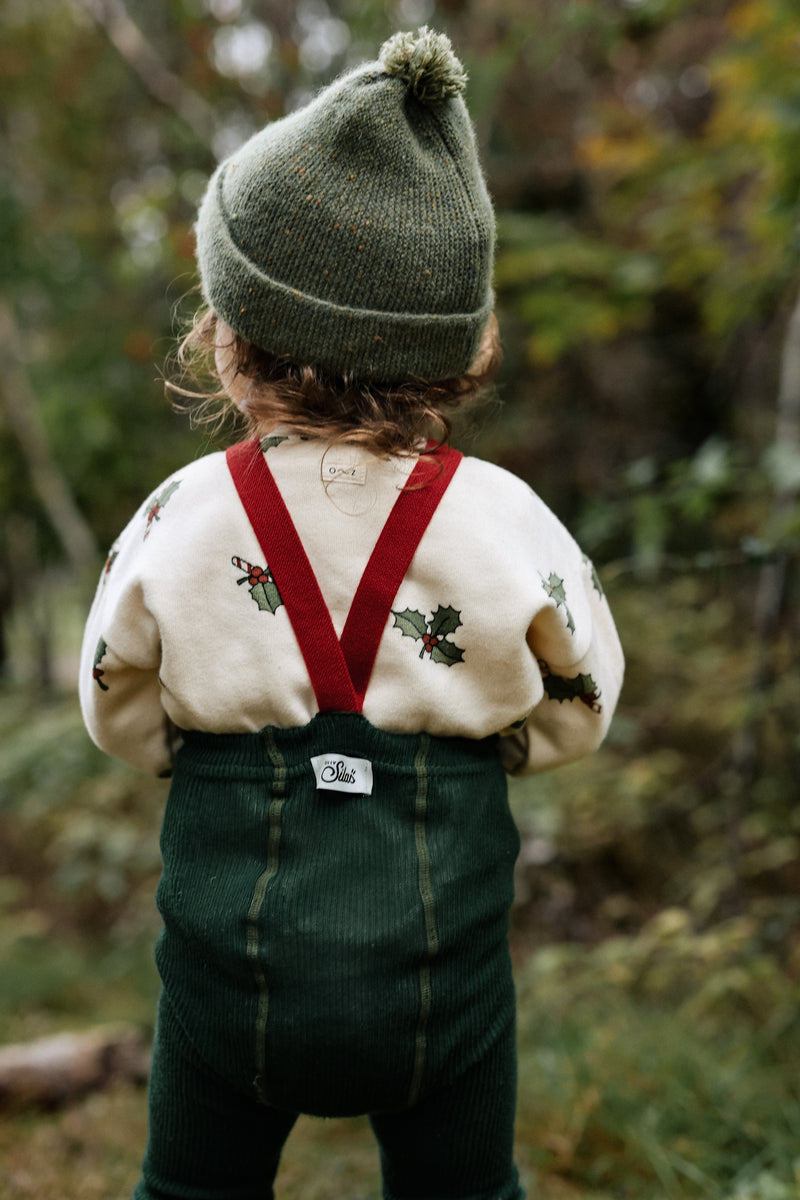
(390, 560)
(339, 672)
(288, 562)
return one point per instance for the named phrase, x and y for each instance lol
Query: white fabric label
(337, 473)
(339, 773)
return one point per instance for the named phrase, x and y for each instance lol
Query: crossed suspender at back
(339, 669)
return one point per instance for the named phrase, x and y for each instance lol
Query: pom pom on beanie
(356, 235)
(426, 63)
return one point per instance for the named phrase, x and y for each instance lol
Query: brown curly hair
(386, 419)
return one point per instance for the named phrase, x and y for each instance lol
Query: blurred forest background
(644, 156)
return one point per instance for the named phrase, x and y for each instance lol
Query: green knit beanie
(356, 235)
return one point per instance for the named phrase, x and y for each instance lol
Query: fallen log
(55, 1070)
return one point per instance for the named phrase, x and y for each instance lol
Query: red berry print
(260, 583)
(258, 575)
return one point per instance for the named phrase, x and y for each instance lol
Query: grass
(641, 1076)
(92, 1151)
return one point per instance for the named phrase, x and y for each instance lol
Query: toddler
(337, 638)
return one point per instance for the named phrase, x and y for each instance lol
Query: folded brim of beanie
(355, 235)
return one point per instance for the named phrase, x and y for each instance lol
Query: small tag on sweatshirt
(340, 773)
(344, 473)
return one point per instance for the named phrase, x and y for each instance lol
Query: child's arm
(575, 642)
(119, 687)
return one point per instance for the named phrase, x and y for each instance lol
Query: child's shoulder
(193, 485)
(197, 477)
(499, 487)
(483, 470)
(496, 498)
(198, 470)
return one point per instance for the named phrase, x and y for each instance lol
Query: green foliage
(711, 510)
(663, 1065)
(571, 287)
(97, 226)
(79, 837)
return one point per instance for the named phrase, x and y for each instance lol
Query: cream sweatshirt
(499, 626)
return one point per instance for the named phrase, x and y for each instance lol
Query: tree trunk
(25, 419)
(140, 54)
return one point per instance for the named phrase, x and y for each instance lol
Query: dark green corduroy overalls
(335, 902)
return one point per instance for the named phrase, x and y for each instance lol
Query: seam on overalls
(429, 915)
(275, 811)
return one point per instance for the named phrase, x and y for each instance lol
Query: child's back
(190, 617)
(337, 640)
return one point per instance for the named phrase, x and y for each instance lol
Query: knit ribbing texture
(333, 953)
(207, 1140)
(356, 234)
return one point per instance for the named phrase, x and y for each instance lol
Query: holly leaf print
(267, 596)
(157, 503)
(97, 673)
(577, 687)
(433, 634)
(263, 587)
(554, 586)
(446, 652)
(410, 622)
(267, 443)
(596, 584)
(444, 621)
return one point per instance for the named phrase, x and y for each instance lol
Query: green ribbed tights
(208, 1141)
(334, 954)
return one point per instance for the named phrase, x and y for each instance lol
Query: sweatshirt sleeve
(575, 643)
(119, 687)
